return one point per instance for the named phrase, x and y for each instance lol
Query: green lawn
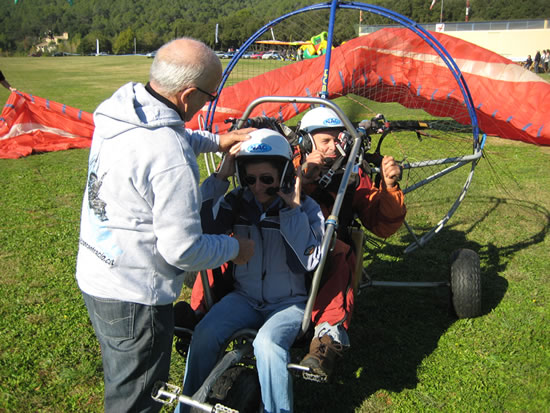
(408, 352)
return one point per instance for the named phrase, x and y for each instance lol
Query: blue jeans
(278, 329)
(136, 345)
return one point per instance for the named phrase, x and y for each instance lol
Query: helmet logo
(332, 122)
(259, 148)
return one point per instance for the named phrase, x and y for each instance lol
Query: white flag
(433, 4)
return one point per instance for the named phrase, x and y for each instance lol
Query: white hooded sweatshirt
(140, 223)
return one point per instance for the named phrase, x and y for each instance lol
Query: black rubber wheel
(466, 283)
(238, 387)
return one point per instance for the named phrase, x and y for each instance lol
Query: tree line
(122, 26)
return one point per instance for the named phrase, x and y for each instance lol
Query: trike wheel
(238, 387)
(466, 283)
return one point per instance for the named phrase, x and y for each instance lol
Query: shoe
(321, 357)
(185, 321)
(184, 316)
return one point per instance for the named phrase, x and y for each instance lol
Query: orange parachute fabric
(396, 65)
(30, 124)
(389, 65)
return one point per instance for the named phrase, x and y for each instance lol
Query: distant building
(50, 43)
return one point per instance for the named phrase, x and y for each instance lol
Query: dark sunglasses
(211, 97)
(264, 179)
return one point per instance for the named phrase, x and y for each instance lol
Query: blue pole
(326, 71)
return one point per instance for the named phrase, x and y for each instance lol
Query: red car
(257, 55)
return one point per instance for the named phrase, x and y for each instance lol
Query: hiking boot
(321, 357)
(184, 316)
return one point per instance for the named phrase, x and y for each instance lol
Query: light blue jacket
(140, 224)
(287, 242)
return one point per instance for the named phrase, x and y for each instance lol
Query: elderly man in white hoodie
(140, 225)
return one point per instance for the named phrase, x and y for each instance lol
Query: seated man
(380, 209)
(270, 290)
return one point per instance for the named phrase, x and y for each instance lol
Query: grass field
(408, 352)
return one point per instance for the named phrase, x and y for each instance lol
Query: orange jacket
(380, 210)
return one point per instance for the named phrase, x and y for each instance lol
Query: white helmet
(320, 118)
(269, 145)
(266, 143)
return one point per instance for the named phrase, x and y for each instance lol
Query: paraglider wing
(395, 65)
(292, 80)
(32, 124)
(510, 101)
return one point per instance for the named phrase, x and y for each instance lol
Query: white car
(271, 55)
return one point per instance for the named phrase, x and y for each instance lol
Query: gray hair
(173, 72)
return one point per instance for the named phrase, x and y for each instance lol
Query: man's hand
(292, 199)
(227, 140)
(227, 167)
(311, 168)
(246, 250)
(391, 172)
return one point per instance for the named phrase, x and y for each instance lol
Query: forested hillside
(152, 22)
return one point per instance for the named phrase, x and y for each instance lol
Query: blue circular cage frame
(457, 162)
(333, 6)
